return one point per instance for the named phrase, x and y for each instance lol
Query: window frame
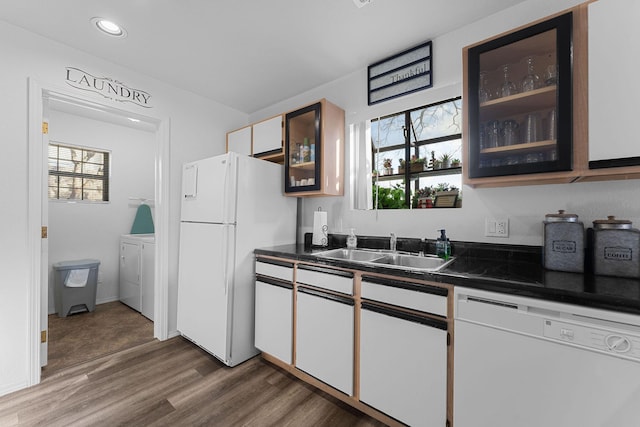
(409, 134)
(105, 177)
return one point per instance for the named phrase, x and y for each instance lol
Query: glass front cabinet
(314, 150)
(519, 102)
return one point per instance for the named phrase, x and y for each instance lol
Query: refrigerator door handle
(190, 185)
(225, 259)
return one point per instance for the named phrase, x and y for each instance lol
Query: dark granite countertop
(507, 269)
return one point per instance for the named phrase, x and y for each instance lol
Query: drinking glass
(531, 81)
(532, 128)
(551, 75)
(508, 87)
(484, 94)
(493, 134)
(509, 132)
(552, 124)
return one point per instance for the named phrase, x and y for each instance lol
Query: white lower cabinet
(403, 354)
(274, 318)
(324, 338)
(403, 366)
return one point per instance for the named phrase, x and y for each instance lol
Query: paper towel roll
(320, 237)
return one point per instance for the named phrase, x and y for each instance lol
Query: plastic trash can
(75, 285)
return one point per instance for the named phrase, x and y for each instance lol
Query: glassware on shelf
(551, 75)
(531, 81)
(494, 138)
(508, 87)
(532, 128)
(484, 94)
(552, 120)
(510, 132)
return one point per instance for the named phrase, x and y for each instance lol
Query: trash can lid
(71, 265)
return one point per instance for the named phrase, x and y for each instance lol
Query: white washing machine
(137, 261)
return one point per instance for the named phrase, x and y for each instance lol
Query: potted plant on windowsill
(415, 164)
(455, 163)
(446, 196)
(445, 161)
(423, 198)
(388, 169)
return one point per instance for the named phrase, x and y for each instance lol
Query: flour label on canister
(618, 253)
(564, 246)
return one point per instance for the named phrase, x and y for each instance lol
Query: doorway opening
(41, 101)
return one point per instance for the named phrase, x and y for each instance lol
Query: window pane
(453, 150)
(437, 120)
(78, 173)
(387, 132)
(92, 169)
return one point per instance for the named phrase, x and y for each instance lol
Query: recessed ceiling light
(361, 3)
(109, 27)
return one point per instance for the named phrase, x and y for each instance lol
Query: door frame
(36, 188)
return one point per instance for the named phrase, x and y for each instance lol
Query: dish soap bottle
(352, 240)
(443, 246)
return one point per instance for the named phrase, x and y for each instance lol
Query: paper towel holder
(320, 238)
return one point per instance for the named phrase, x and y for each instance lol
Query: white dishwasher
(530, 363)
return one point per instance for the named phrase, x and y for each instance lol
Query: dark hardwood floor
(174, 383)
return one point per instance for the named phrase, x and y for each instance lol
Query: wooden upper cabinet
(614, 151)
(262, 140)
(519, 109)
(268, 137)
(239, 141)
(314, 150)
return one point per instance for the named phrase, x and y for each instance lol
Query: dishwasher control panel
(606, 340)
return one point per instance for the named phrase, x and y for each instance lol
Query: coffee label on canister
(564, 246)
(618, 253)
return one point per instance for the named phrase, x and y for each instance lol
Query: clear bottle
(352, 240)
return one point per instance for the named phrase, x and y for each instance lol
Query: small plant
(444, 186)
(389, 198)
(387, 163)
(420, 195)
(455, 163)
(445, 160)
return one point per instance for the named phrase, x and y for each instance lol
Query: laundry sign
(107, 87)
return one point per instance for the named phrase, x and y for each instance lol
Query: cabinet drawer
(429, 299)
(278, 269)
(333, 280)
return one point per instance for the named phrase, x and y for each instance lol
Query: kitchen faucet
(392, 242)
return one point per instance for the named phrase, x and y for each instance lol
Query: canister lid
(612, 223)
(561, 217)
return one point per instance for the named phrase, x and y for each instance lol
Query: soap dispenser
(352, 240)
(443, 246)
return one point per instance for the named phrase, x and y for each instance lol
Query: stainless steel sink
(352, 254)
(387, 259)
(413, 262)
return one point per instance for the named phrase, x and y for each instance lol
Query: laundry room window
(78, 173)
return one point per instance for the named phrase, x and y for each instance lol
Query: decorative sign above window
(406, 72)
(107, 87)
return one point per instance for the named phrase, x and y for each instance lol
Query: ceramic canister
(563, 242)
(616, 248)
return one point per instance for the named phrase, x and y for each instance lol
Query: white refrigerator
(231, 204)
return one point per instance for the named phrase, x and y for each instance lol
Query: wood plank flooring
(174, 383)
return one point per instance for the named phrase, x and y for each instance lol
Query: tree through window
(78, 173)
(423, 147)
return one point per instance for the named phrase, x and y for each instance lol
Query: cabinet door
(267, 136)
(147, 279)
(403, 366)
(519, 101)
(274, 318)
(613, 90)
(239, 141)
(130, 274)
(324, 338)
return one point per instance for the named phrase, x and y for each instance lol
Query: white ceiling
(247, 54)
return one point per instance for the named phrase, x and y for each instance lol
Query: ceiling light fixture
(109, 27)
(361, 3)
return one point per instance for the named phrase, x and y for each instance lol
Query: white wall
(525, 207)
(79, 230)
(197, 129)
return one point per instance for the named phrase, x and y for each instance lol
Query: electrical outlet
(496, 227)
